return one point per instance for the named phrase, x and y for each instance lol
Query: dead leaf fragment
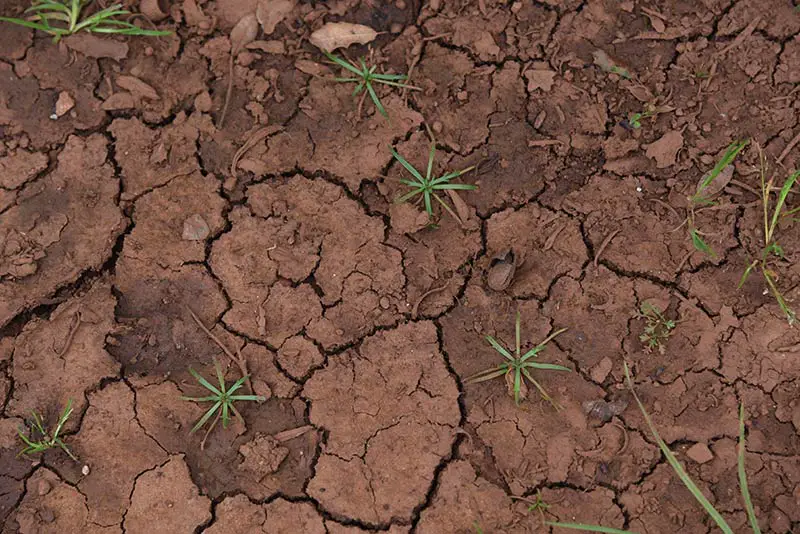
(244, 33)
(137, 87)
(64, 103)
(665, 150)
(717, 184)
(96, 47)
(270, 12)
(335, 35)
(540, 79)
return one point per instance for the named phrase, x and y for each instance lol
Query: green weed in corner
(222, 398)
(657, 330)
(773, 214)
(365, 76)
(702, 198)
(518, 366)
(41, 439)
(427, 185)
(687, 481)
(60, 18)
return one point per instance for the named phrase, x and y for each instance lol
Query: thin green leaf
(445, 206)
(487, 375)
(374, 96)
(450, 175)
(225, 416)
(746, 274)
(344, 64)
(28, 24)
(347, 79)
(730, 154)
(699, 244)
(748, 503)
(410, 168)
(676, 465)
(500, 348)
(401, 85)
(409, 195)
(787, 186)
(358, 88)
(431, 156)
(517, 384)
(205, 383)
(390, 77)
(548, 366)
(257, 398)
(588, 528)
(460, 187)
(428, 208)
(200, 399)
(236, 385)
(206, 417)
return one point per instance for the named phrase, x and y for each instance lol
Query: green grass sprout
(700, 198)
(658, 328)
(222, 398)
(771, 250)
(518, 367)
(60, 18)
(427, 185)
(687, 481)
(364, 77)
(40, 439)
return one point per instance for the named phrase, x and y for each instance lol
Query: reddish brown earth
(358, 323)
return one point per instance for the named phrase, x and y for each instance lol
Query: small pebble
(44, 487)
(384, 303)
(85, 470)
(700, 453)
(437, 126)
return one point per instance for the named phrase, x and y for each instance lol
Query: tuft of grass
(223, 399)
(428, 185)
(41, 439)
(60, 18)
(773, 214)
(518, 366)
(657, 330)
(700, 197)
(364, 77)
(687, 481)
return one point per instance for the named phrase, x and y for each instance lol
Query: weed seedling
(702, 197)
(657, 330)
(773, 214)
(519, 366)
(427, 185)
(223, 399)
(40, 439)
(687, 481)
(365, 76)
(60, 18)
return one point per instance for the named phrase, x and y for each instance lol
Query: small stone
(600, 371)
(47, 515)
(437, 126)
(202, 102)
(700, 453)
(195, 228)
(396, 28)
(384, 302)
(44, 487)
(64, 103)
(85, 470)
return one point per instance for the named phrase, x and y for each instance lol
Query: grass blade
(431, 155)
(499, 348)
(205, 383)
(748, 503)
(29, 24)
(460, 187)
(699, 244)
(588, 528)
(344, 64)
(730, 154)
(676, 465)
(488, 374)
(257, 398)
(787, 186)
(409, 195)
(410, 168)
(548, 366)
(205, 417)
(538, 386)
(374, 96)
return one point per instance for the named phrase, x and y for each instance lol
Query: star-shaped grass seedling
(519, 366)
(365, 76)
(427, 185)
(223, 399)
